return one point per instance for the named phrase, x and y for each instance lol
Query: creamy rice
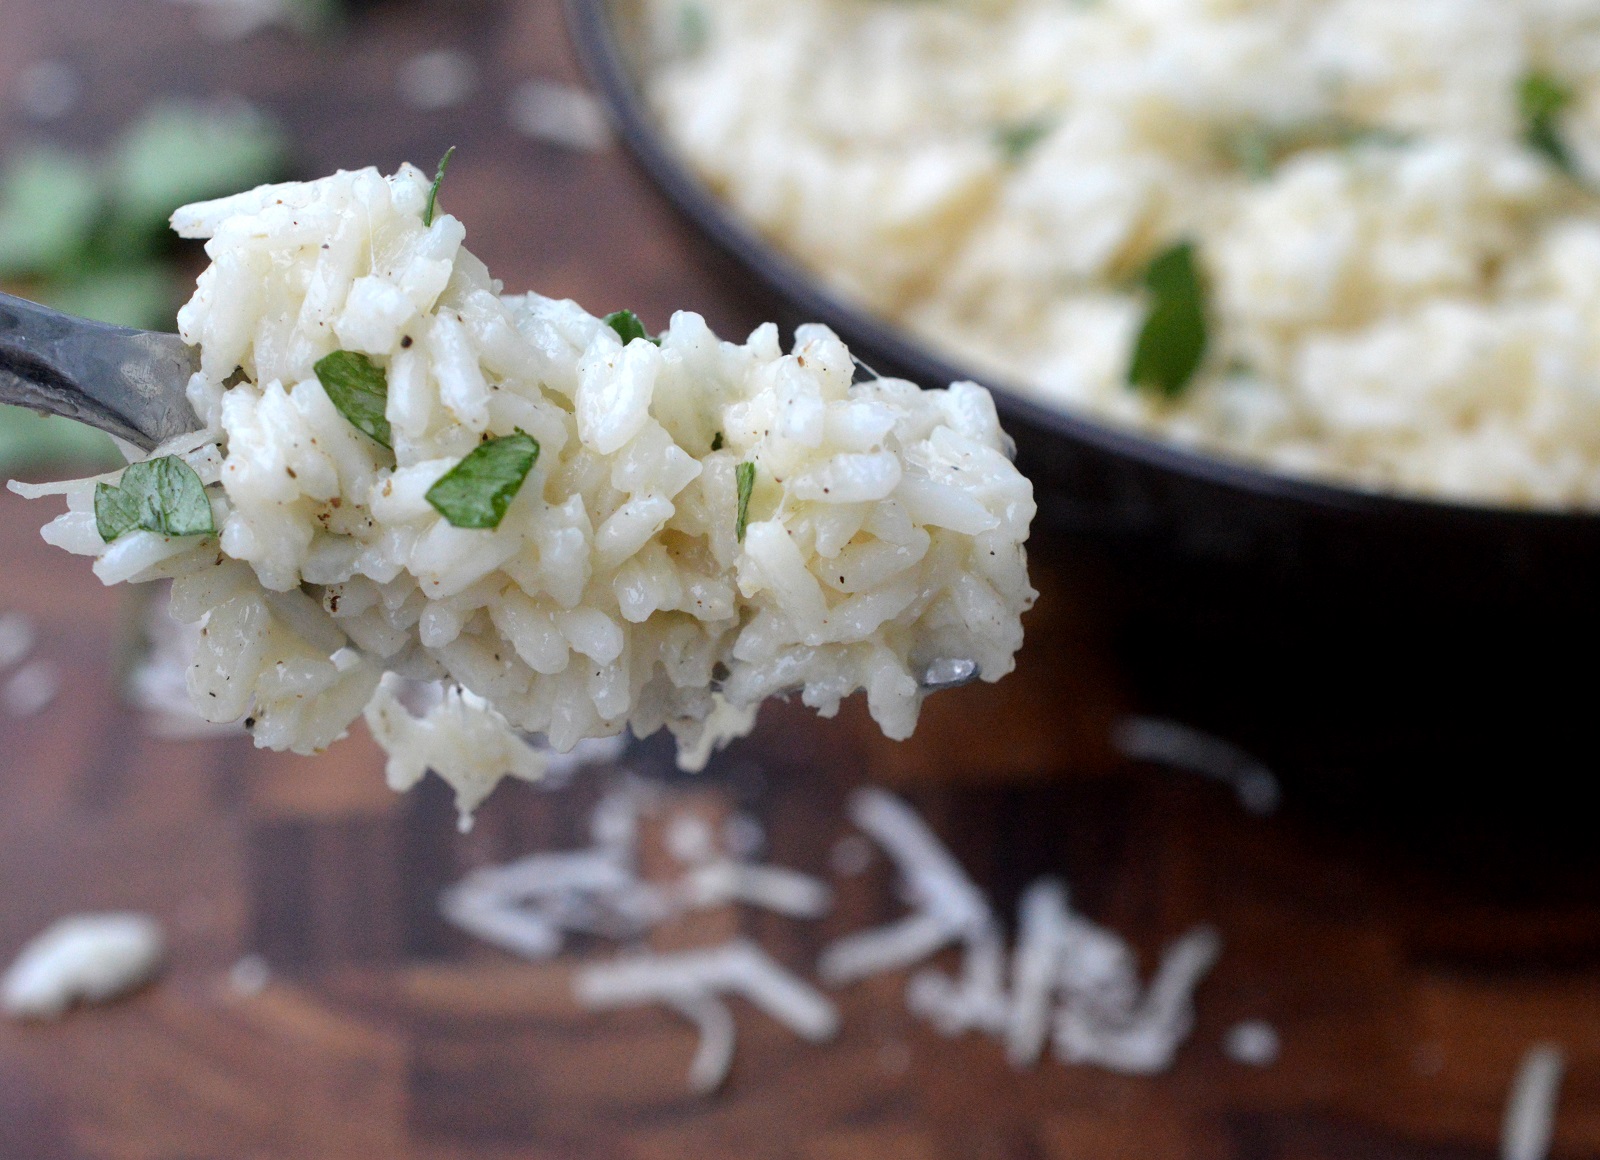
(885, 524)
(1408, 299)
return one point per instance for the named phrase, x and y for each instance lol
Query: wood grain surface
(1406, 967)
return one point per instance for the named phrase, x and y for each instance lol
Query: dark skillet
(1330, 625)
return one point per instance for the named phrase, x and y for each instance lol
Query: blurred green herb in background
(1542, 99)
(694, 28)
(90, 237)
(49, 203)
(1018, 139)
(1258, 149)
(1172, 340)
(178, 153)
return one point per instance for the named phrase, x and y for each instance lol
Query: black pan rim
(590, 28)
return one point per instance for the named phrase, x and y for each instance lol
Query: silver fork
(128, 383)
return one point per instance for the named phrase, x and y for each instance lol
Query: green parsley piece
(1542, 99)
(1018, 139)
(716, 441)
(628, 327)
(1172, 340)
(476, 492)
(745, 476)
(433, 190)
(162, 495)
(359, 389)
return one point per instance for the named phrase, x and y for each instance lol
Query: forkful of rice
(381, 485)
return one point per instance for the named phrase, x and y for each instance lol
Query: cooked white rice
(1411, 304)
(885, 530)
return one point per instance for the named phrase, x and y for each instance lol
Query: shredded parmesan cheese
(1531, 1110)
(89, 958)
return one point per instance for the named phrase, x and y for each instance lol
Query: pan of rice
(1388, 209)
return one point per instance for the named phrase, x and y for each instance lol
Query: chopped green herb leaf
(162, 495)
(359, 389)
(1542, 99)
(1016, 140)
(1172, 340)
(745, 477)
(433, 190)
(628, 327)
(716, 441)
(476, 492)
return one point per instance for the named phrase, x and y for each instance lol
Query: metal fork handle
(128, 383)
